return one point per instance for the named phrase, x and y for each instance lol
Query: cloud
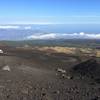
(27, 27)
(80, 35)
(15, 27)
(96, 36)
(9, 27)
(43, 36)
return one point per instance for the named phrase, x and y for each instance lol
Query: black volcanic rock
(90, 68)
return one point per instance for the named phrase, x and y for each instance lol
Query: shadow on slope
(88, 69)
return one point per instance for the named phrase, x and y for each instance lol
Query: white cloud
(14, 27)
(43, 36)
(80, 35)
(27, 27)
(96, 36)
(9, 27)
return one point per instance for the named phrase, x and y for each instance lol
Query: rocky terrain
(48, 74)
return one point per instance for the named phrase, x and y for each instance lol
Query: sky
(49, 11)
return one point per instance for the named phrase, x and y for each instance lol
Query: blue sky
(49, 11)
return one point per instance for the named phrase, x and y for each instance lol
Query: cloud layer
(14, 27)
(80, 35)
(28, 32)
(9, 27)
(43, 36)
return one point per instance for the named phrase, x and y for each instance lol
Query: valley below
(49, 73)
